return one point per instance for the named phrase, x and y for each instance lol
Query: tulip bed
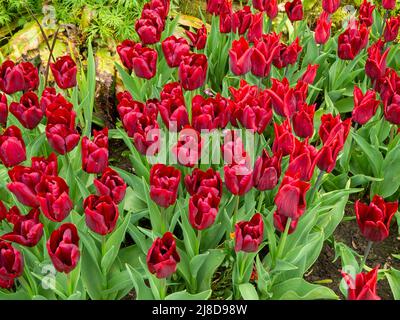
(250, 144)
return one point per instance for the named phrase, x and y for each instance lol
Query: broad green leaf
(300, 289)
(248, 291)
(184, 295)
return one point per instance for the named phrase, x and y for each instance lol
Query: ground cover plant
(248, 144)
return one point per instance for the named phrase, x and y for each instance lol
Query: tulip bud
(284, 139)
(310, 74)
(12, 147)
(363, 287)
(303, 121)
(249, 234)
(239, 57)
(294, 10)
(323, 28)
(389, 4)
(164, 183)
(64, 71)
(101, 214)
(238, 178)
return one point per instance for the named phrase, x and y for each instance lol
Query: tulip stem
(198, 241)
(366, 252)
(163, 288)
(316, 186)
(282, 240)
(235, 212)
(383, 23)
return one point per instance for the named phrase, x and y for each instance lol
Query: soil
(381, 253)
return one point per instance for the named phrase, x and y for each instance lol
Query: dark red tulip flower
(242, 20)
(303, 121)
(287, 54)
(365, 106)
(101, 214)
(21, 77)
(391, 29)
(327, 155)
(280, 222)
(310, 74)
(164, 183)
(27, 111)
(11, 264)
(95, 153)
(290, 200)
(203, 209)
(12, 147)
(328, 122)
(45, 166)
(284, 141)
(389, 4)
(249, 234)
(233, 151)
(217, 7)
(3, 110)
(375, 66)
(162, 258)
(146, 134)
(159, 6)
(267, 170)
(204, 182)
(174, 50)
(111, 184)
(294, 10)
(64, 71)
(363, 287)
(126, 52)
(323, 28)
(352, 40)
(225, 22)
(268, 6)
(24, 181)
(263, 53)
(389, 85)
(256, 28)
(187, 151)
(49, 95)
(239, 57)
(63, 248)
(330, 6)
(238, 178)
(198, 39)
(150, 26)
(302, 161)
(3, 211)
(193, 71)
(53, 196)
(211, 113)
(392, 109)
(365, 13)
(172, 107)
(374, 219)
(27, 229)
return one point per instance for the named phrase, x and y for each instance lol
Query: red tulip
(27, 111)
(162, 257)
(193, 71)
(283, 98)
(203, 209)
(11, 264)
(45, 166)
(269, 6)
(3, 110)
(64, 71)
(187, 151)
(294, 10)
(249, 234)
(287, 54)
(391, 29)
(242, 20)
(365, 106)
(364, 287)
(3, 211)
(12, 147)
(328, 122)
(238, 178)
(23, 185)
(256, 28)
(211, 113)
(150, 26)
(164, 183)
(172, 107)
(303, 121)
(389, 4)
(365, 13)
(330, 6)
(352, 41)
(161, 7)
(95, 153)
(21, 77)
(375, 66)
(27, 229)
(233, 149)
(111, 184)
(52, 194)
(267, 171)
(310, 74)
(225, 22)
(374, 219)
(174, 50)
(204, 182)
(263, 53)
(284, 139)
(239, 57)
(302, 161)
(101, 214)
(290, 200)
(323, 28)
(49, 96)
(63, 248)
(280, 223)
(199, 39)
